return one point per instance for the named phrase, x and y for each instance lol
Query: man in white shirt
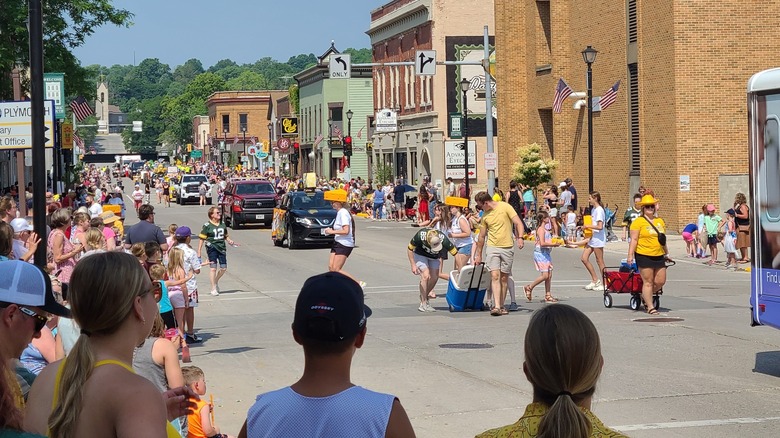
(22, 232)
(450, 187)
(95, 209)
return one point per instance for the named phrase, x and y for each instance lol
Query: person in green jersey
(214, 234)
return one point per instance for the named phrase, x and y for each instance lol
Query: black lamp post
(464, 86)
(330, 145)
(349, 123)
(589, 56)
(222, 149)
(215, 140)
(270, 139)
(243, 130)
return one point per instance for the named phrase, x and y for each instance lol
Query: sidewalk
(677, 251)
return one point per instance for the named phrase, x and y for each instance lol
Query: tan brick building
(680, 111)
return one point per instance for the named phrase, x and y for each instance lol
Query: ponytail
(564, 420)
(76, 370)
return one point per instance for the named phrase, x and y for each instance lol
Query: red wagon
(622, 280)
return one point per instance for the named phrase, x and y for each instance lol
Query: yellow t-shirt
(647, 243)
(528, 425)
(498, 223)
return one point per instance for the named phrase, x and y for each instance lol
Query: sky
(242, 30)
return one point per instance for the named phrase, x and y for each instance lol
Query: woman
(551, 196)
(41, 351)
(64, 252)
(96, 243)
(88, 393)
(648, 252)
(563, 363)
(158, 188)
(422, 208)
(343, 231)
(597, 241)
(459, 234)
(514, 198)
(214, 234)
(80, 227)
(742, 219)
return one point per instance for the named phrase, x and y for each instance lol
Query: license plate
(259, 216)
(322, 231)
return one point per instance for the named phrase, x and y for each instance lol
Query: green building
(329, 110)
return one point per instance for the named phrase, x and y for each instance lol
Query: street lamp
(349, 123)
(270, 148)
(203, 148)
(589, 56)
(464, 86)
(223, 145)
(243, 130)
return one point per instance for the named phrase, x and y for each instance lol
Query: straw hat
(647, 200)
(108, 217)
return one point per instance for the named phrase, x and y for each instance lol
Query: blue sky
(242, 30)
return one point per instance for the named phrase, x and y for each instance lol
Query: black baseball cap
(334, 298)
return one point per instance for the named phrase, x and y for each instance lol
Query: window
(225, 122)
(337, 114)
(633, 116)
(242, 125)
(631, 19)
(102, 97)
(543, 30)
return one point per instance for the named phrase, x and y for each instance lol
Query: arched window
(102, 97)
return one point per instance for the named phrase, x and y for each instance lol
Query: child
(199, 422)
(690, 235)
(178, 293)
(138, 251)
(571, 224)
(191, 267)
(170, 240)
(730, 239)
(542, 258)
(157, 273)
(712, 223)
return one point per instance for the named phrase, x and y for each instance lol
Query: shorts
(688, 237)
(428, 263)
(215, 257)
(465, 249)
(168, 319)
(499, 259)
(398, 206)
(177, 298)
(194, 298)
(645, 261)
(340, 249)
(712, 240)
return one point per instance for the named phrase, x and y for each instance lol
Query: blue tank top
(354, 412)
(165, 301)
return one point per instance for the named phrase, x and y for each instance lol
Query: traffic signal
(295, 152)
(347, 146)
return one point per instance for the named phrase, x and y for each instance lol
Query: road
(706, 374)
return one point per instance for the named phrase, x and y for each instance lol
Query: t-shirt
(565, 199)
(711, 224)
(631, 214)
(647, 243)
(419, 244)
(690, 228)
(498, 222)
(528, 196)
(528, 425)
(343, 218)
(214, 235)
(138, 195)
(573, 197)
(571, 219)
(143, 232)
(599, 237)
(379, 197)
(398, 194)
(194, 425)
(191, 263)
(95, 210)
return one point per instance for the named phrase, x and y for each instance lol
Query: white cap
(434, 241)
(20, 224)
(25, 284)
(562, 184)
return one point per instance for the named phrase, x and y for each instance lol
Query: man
(564, 199)
(116, 199)
(424, 253)
(573, 191)
(398, 200)
(26, 300)
(22, 232)
(145, 230)
(330, 325)
(631, 214)
(498, 225)
(450, 187)
(95, 209)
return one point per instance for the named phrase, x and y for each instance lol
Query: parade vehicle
(763, 99)
(249, 201)
(301, 219)
(188, 188)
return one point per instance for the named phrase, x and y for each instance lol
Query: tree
(248, 80)
(148, 111)
(532, 169)
(295, 99)
(302, 62)
(188, 71)
(383, 172)
(359, 56)
(178, 111)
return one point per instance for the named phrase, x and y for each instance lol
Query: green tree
(295, 99)
(532, 169)
(359, 56)
(302, 62)
(246, 81)
(149, 111)
(383, 172)
(221, 64)
(188, 71)
(178, 111)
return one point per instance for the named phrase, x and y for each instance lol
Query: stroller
(611, 216)
(411, 212)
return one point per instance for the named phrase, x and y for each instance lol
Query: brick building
(420, 145)
(680, 111)
(201, 136)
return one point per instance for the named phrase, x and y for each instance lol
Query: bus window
(771, 168)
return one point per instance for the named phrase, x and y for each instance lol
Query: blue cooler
(625, 267)
(466, 288)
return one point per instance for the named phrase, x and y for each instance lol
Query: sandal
(652, 311)
(548, 298)
(528, 292)
(495, 312)
(504, 311)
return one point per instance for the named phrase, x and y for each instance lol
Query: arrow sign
(340, 66)
(425, 63)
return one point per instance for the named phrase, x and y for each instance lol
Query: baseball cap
(434, 240)
(183, 232)
(562, 184)
(335, 298)
(25, 284)
(20, 224)
(731, 212)
(710, 207)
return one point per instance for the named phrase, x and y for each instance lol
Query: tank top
(544, 249)
(459, 242)
(515, 201)
(144, 365)
(353, 412)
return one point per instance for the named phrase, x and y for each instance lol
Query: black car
(301, 219)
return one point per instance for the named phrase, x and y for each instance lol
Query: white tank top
(459, 242)
(354, 412)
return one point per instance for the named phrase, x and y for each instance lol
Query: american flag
(317, 140)
(81, 108)
(78, 140)
(235, 141)
(337, 131)
(609, 96)
(254, 141)
(360, 132)
(562, 91)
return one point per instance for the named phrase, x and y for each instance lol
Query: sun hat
(108, 217)
(20, 224)
(434, 240)
(334, 298)
(647, 200)
(183, 232)
(710, 207)
(26, 284)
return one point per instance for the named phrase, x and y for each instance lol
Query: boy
(631, 214)
(571, 224)
(199, 422)
(183, 237)
(712, 223)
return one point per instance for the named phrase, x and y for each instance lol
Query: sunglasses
(650, 206)
(155, 290)
(40, 320)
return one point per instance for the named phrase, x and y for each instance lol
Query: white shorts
(426, 263)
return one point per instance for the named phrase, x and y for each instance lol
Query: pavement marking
(694, 423)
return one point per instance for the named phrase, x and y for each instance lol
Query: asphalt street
(706, 373)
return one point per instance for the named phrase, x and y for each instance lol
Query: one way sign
(340, 66)
(425, 63)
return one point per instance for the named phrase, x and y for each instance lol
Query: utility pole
(488, 111)
(16, 79)
(38, 127)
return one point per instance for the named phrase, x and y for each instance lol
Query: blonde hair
(562, 362)
(138, 250)
(95, 239)
(100, 304)
(80, 217)
(175, 261)
(192, 374)
(157, 272)
(172, 229)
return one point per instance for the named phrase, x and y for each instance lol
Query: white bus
(763, 96)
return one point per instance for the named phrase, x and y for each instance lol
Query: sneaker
(422, 308)
(598, 287)
(513, 307)
(214, 292)
(362, 284)
(429, 308)
(193, 339)
(590, 286)
(728, 265)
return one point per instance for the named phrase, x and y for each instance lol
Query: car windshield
(189, 179)
(255, 189)
(309, 201)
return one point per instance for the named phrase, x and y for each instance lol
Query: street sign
(455, 159)
(197, 153)
(67, 135)
(425, 63)
(386, 120)
(491, 161)
(456, 125)
(138, 126)
(340, 66)
(261, 155)
(251, 150)
(290, 126)
(54, 89)
(16, 125)
(283, 144)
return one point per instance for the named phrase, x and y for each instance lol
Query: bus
(763, 100)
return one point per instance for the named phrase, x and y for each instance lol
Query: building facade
(678, 124)
(421, 146)
(324, 106)
(200, 137)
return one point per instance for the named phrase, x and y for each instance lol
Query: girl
(730, 239)
(712, 223)
(158, 188)
(460, 235)
(178, 293)
(422, 210)
(95, 242)
(542, 258)
(344, 241)
(80, 227)
(596, 243)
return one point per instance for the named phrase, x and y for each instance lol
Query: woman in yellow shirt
(648, 248)
(563, 362)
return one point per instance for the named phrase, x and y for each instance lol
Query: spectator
(8, 209)
(424, 253)
(564, 200)
(742, 218)
(106, 225)
(563, 363)
(93, 206)
(596, 242)
(690, 235)
(25, 241)
(330, 324)
(514, 198)
(573, 192)
(730, 239)
(64, 252)
(631, 213)
(648, 248)
(183, 237)
(543, 246)
(528, 197)
(199, 422)
(398, 200)
(145, 230)
(712, 223)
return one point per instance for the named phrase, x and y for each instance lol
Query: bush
(532, 169)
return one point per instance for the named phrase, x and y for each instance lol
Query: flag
(78, 140)
(235, 141)
(210, 140)
(337, 131)
(360, 132)
(317, 140)
(81, 108)
(609, 96)
(254, 142)
(562, 91)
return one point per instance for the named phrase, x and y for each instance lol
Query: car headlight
(303, 221)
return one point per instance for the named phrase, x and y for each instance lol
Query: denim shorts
(216, 257)
(465, 249)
